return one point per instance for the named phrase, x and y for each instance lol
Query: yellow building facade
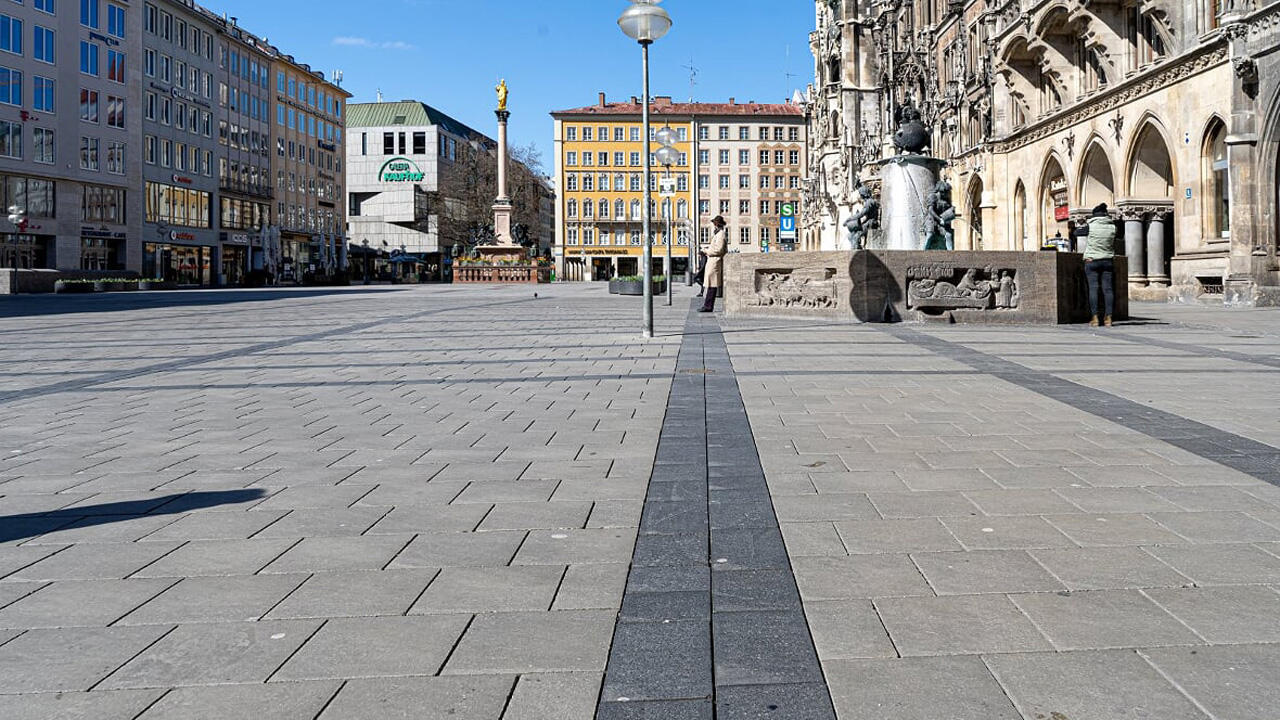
(600, 182)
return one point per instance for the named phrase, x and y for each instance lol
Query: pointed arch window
(1217, 184)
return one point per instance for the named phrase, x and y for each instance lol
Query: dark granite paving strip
(180, 363)
(1272, 361)
(711, 624)
(1248, 456)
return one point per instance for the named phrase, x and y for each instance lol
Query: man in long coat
(716, 250)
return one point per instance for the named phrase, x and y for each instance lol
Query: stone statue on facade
(502, 95)
(939, 214)
(865, 220)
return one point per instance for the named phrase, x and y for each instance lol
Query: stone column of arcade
(1156, 274)
(1135, 247)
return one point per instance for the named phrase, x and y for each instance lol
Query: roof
(663, 106)
(406, 112)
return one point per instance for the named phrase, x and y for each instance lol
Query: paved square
(436, 502)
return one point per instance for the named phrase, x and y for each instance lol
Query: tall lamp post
(645, 22)
(365, 244)
(667, 156)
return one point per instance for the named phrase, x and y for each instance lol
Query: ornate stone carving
(789, 288)
(866, 219)
(942, 286)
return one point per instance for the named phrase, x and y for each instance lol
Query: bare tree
(468, 187)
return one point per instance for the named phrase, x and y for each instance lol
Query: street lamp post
(667, 156)
(645, 22)
(365, 243)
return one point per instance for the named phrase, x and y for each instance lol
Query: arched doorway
(1055, 207)
(1021, 241)
(1150, 178)
(974, 200)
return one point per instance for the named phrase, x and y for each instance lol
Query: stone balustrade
(501, 274)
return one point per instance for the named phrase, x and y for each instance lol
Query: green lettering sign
(399, 169)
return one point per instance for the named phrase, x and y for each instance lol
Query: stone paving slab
(375, 502)
(1069, 523)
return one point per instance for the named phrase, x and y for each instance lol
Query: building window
(764, 235)
(115, 112)
(44, 6)
(571, 133)
(619, 134)
(10, 87)
(744, 207)
(682, 183)
(10, 34)
(588, 209)
(620, 209)
(793, 134)
(115, 158)
(42, 146)
(42, 44)
(419, 143)
(619, 159)
(764, 157)
(88, 58)
(744, 133)
(572, 209)
(723, 132)
(1217, 184)
(115, 21)
(744, 236)
(89, 105)
(635, 182)
(571, 158)
(588, 182)
(724, 207)
(779, 157)
(89, 13)
(704, 182)
(704, 207)
(764, 182)
(588, 134)
(635, 134)
(602, 159)
(588, 236)
(724, 182)
(704, 157)
(10, 139)
(724, 157)
(793, 157)
(634, 159)
(635, 209)
(89, 153)
(744, 182)
(764, 207)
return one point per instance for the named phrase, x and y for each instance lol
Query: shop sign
(1061, 213)
(400, 169)
(105, 234)
(175, 235)
(326, 145)
(104, 39)
(183, 180)
(570, 252)
(237, 238)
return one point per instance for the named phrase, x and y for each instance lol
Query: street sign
(786, 228)
(788, 210)
(667, 187)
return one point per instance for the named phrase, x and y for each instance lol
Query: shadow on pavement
(34, 305)
(21, 527)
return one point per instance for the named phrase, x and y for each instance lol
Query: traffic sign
(667, 187)
(788, 210)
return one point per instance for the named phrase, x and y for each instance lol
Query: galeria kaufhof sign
(400, 169)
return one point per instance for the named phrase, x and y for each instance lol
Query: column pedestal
(1135, 246)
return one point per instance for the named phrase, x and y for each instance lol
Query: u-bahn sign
(398, 170)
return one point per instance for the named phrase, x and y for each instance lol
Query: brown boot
(1093, 321)
(1107, 321)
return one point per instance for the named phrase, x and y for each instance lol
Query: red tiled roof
(657, 107)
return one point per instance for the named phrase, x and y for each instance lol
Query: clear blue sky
(554, 55)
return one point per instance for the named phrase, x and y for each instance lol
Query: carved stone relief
(938, 287)
(803, 288)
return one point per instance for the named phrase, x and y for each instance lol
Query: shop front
(235, 256)
(26, 251)
(102, 248)
(184, 265)
(297, 261)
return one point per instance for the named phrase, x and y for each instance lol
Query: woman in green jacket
(1099, 264)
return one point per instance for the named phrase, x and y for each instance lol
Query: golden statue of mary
(502, 94)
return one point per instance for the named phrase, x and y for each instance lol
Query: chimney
(601, 99)
(635, 100)
(733, 101)
(662, 100)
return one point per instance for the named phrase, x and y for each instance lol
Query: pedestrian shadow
(29, 525)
